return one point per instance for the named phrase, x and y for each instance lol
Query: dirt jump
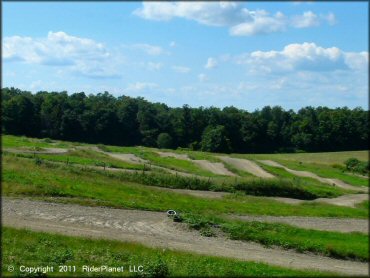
(155, 229)
(217, 168)
(307, 174)
(350, 200)
(247, 166)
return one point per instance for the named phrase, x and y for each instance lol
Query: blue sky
(248, 55)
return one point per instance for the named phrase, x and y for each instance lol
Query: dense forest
(128, 121)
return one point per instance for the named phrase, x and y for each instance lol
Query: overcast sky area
(249, 55)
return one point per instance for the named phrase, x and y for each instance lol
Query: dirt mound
(334, 182)
(213, 167)
(350, 200)
(316, 223)
(155, 229)
(174, 155)
(247, 166)
(128, 157)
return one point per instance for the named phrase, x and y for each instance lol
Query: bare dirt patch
(42, 151)
(128, 157)
(334, 182)
(316, 223)
(156, 230)
(247, 166)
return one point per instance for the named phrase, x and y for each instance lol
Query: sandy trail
(307, 174)
(214, 167)
(350, 200)
(344, 225)
(43, 151)
(247, 166)
(156, 230)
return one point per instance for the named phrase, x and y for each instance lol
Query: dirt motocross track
(157, 230)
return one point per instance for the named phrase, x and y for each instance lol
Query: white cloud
(173, 44)
(208, 13)
(141, 86)
(211, 63)
(202, 77)
(308, 19)
(261, 23)
(82, 55)
(149, 49)
(154, 66)
(240, 20)
(303, 57)
(181, 69)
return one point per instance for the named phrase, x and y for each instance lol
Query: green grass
(10, 141)
(333, 244)
(84, 157)
(22, 247)
(21, 177)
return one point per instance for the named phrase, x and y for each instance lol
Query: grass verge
(23, 247)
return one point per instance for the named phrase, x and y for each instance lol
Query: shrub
(157, 268)
(351, 163)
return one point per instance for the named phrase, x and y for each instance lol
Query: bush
(275, 187)
(355, 165)
(164, 141)
(157, 268)
(351, 163)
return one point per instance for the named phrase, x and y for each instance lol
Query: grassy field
(24, 177)
(57, 178)
(54, 250)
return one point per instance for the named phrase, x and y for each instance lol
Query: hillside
(228, 204)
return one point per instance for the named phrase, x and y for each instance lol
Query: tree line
(127, 121)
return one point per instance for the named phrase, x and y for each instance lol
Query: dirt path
(217, 168)
(42, 151)
(246, 165)
(350, 200)
(196, 193)
(156, 230)
(307, 174)
(343, 225)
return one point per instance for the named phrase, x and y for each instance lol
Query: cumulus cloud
(261, 23)
(308, 19)
(208, 13)
(211, 63)
(181, 69)
(82, 55)
(303, 57)
(240, 20)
